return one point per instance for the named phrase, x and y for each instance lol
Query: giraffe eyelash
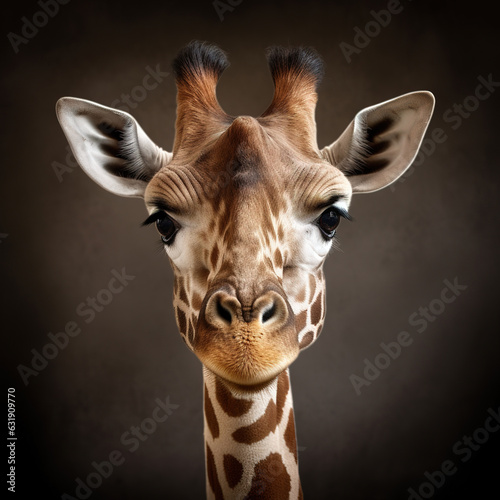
(166, 226)
(152, 218)
(343, 213)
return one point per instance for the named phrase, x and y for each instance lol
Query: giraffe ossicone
(247, 209)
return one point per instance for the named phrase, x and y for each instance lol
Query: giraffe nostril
(269, 313)
(271, 310)
(224, 313)
(223, 310)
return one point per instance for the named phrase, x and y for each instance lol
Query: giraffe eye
(328, 222)
(167, 227)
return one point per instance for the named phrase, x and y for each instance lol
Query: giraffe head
(247, 208)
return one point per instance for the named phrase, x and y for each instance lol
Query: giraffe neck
(250, 444)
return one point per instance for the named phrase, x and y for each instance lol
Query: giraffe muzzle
(246, 343)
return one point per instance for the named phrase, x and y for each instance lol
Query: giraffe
(247, 210)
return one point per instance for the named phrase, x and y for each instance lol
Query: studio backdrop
(397, 399)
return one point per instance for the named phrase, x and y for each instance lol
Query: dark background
(65, 237)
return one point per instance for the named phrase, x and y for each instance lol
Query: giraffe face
(247, 207)
(247, 224)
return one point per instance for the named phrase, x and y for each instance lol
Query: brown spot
(181, 320)
(202, 276)
(301, 295)
(312, 285)
(301, 320)
(213, 425)
(213, 480)
(233, 469)
(306, 340)
(196, 301)
(278, 258)
(281, 233)
(177, 284)
(283, 388)
(317, 310)
(234, 407)
(301, 495)
(259, 429)
(270, 479)
(290, 439)
(182, 296)
(214, 257)
(190, 332)
(268, 262)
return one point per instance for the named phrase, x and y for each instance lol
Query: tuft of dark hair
(301, 61)
(199, 58)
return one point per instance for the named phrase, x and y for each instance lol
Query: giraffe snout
(247, 341)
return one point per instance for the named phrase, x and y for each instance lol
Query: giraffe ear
(110, 146)
(382, 141)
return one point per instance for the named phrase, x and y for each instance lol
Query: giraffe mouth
(248, 355)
